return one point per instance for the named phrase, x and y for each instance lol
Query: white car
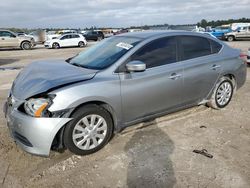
(66, 40)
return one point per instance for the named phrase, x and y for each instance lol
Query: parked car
(94, 35)
(21, 33)
(126, 79)
(121, 31)
(242, 33)
(39, 36)
(219, 32)
(10, 39)
(66, 40)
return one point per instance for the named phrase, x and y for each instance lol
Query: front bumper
(47, 46)
(34, 135)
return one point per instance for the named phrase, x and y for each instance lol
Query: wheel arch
(228, 75)
(58, 144)
(102, 104)
(232, 78)
(24, 41)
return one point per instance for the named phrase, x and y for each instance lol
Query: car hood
(39, 77)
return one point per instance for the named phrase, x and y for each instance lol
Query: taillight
(243, 56)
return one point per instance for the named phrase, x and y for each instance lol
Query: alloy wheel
(89, 132)
(224, 93)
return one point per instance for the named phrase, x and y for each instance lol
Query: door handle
(174, 76)
(214, 67)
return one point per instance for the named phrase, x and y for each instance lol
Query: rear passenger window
(159, 52)
(75, 36)
(215, 46)
(65, 37)
(193, 47)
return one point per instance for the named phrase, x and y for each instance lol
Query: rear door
(75, 39)
(202, 66)
(159, 87)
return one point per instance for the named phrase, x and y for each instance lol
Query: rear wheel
(55, 45)
(89, 131)
(26, 45)
(222, 93)
(81, 44)
(230, 38)
(99, 38)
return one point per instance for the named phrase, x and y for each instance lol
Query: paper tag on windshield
(124, 45)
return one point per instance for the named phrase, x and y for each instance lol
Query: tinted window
(75, 36)
(215, 46)
(65, 37)
(192, 47)
(159, 52)
(6, 34)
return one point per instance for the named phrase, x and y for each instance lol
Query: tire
(81, 44)
(99, 38)
(26, 45)
(80, 137)
(230, 38)
(219, 100)
(55, 45)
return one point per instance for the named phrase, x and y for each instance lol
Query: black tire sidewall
(230, 82)
(55, 45)
(79, 114)
(81, 44)
(230, 38)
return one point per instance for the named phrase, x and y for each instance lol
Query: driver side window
(6, 34)
(157, 53)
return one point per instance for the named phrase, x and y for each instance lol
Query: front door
(7, 39)
(159, 87)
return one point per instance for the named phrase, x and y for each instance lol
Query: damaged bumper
(34, 135)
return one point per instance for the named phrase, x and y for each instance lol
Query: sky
(116, 13)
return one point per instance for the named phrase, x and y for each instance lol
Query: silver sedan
(129, 78)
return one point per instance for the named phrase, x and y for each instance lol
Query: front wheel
(222, 93)
(55, 45)
(26, 45)
(89, 131)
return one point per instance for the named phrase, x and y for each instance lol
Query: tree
(203, 23)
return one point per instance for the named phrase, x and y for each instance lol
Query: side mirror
(136, 66)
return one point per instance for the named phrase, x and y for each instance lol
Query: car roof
(70, 34)
(6, 30)
(155, 33)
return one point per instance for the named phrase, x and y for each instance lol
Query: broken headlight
(37, 107)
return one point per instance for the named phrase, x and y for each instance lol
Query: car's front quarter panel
(35, 135)
(102, 88)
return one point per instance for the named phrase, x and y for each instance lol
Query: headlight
(37, 107)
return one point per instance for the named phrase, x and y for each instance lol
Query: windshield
(105, 53)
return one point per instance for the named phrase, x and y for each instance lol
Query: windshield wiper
(82, 66)
(76, 64)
